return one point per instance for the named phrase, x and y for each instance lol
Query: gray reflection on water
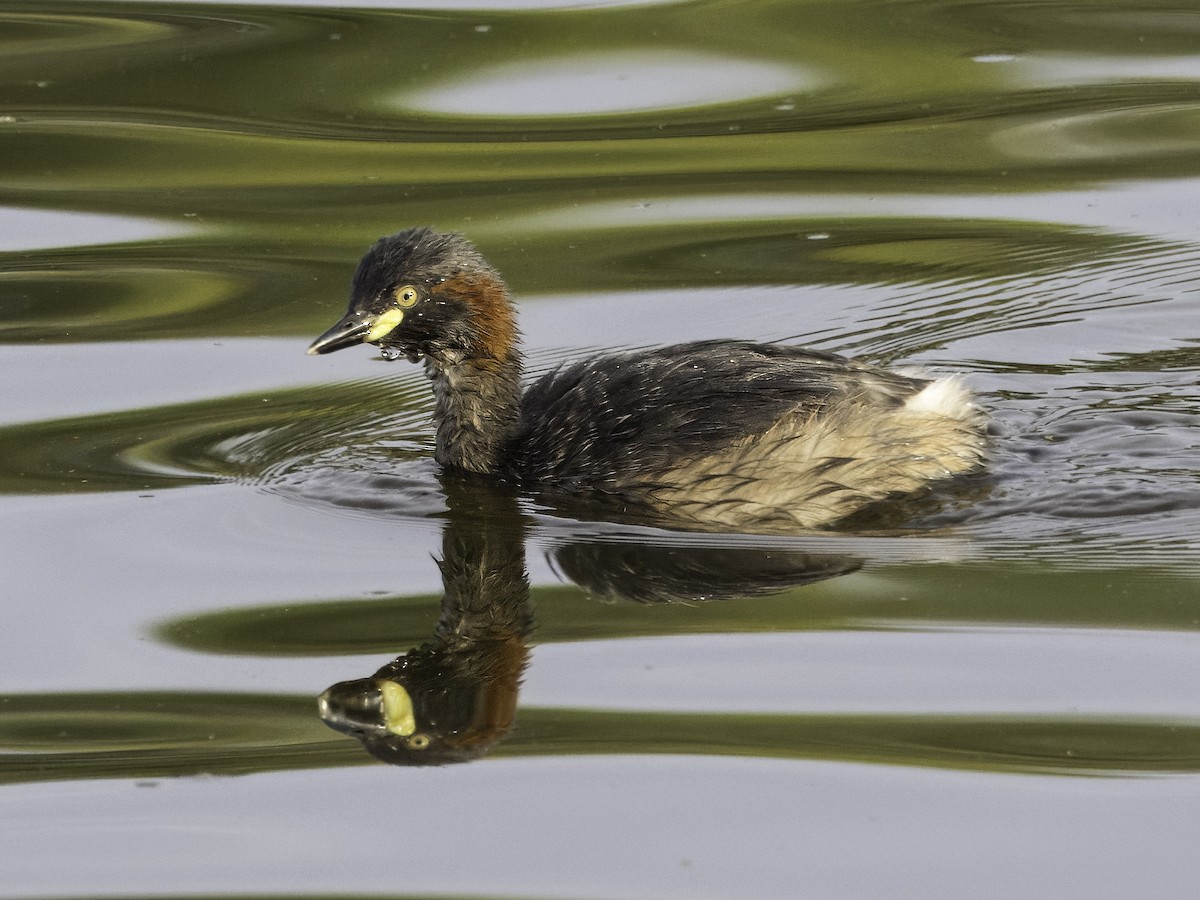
(1148, 210)
(1053, 71)
(36, 229)
(618, 82)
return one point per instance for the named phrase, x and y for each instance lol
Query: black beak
(351, 329)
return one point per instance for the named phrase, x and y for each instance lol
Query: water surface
(205, 528)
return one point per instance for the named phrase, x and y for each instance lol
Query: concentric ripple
(258, 439)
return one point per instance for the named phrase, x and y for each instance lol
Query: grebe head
(420, 293)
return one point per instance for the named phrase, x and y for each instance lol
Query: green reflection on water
(52, 737)
(925, 596)
(993, 744)
(59, 737)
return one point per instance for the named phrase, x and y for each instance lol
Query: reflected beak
(351, 329)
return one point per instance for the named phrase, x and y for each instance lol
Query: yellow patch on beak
(384, 325)
(397, 709)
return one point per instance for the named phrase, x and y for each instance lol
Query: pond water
(990, 691)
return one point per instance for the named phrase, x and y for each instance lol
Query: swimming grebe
(712, 434)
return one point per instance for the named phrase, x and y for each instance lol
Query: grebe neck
(476, 405)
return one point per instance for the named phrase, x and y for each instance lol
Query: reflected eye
(406, 296)
(418, 742)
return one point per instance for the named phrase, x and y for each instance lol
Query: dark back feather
(610, 418)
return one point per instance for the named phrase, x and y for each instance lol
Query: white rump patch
(947, 397)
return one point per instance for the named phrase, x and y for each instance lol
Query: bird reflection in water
(455, 696)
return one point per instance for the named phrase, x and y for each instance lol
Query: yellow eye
(406, 296)
(418, 742)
